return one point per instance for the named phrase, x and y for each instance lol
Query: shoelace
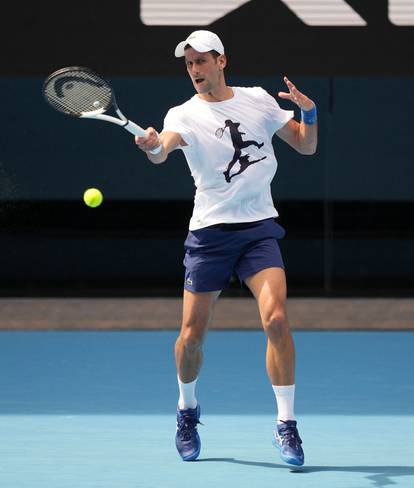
(290, 435)
(186, 427)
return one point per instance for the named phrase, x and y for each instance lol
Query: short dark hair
(213, 52)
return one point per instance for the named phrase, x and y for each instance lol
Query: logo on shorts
(189, 281)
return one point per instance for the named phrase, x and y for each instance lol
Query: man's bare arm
(167, 140)
(302, 137)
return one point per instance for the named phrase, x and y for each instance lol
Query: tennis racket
(82, 93)
(219, 132)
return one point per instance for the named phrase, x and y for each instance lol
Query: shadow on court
(379, 475)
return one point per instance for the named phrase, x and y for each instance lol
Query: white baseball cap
(202, 41)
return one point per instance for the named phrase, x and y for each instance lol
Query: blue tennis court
(97, 409)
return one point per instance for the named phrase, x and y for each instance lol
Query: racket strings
(76, 92)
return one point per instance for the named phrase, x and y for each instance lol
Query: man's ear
(222, 61)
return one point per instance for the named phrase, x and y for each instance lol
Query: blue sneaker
(286, 439)
(187, 439)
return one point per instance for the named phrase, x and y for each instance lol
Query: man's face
(204, 69)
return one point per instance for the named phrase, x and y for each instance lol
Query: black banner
(262, 37)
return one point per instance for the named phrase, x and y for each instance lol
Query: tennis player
(225, 133)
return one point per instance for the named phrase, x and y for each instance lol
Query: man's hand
(301, 136)
(295, 96)
(150, 141)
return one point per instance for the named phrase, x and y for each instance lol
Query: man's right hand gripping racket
(82, 93)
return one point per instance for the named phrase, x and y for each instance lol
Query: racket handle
(135, 129)
(139, 131)
(156, 150)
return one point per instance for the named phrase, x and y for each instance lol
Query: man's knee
(192, 336)
(276, 324)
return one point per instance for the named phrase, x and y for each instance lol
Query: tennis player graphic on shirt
(233, 227)
(239, 144)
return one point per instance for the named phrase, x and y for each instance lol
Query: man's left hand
(295, 96)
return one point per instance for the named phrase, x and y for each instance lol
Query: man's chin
(201, 88)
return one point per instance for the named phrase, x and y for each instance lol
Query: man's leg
(269, 288)
(197, 315)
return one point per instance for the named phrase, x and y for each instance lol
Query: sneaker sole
(192, 457)
(288, 460)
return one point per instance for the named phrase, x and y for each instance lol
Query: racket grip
(156, 150)
(134, 129)
(139, 131)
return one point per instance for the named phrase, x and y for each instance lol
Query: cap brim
(179, 50)
(198, 46)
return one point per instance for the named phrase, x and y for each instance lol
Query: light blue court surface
(86, 409)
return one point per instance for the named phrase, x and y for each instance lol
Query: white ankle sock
(285, 398)
(187, 394)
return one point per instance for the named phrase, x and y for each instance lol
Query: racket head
(77, 91)
(219, 133)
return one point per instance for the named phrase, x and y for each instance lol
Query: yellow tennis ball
(92, 197)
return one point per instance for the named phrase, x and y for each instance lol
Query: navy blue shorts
(214, 253)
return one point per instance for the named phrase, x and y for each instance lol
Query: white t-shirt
(233, 136)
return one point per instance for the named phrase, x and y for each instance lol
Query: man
(233, 226)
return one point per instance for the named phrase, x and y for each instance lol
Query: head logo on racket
(66, 83)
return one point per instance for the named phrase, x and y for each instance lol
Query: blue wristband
(309, 117)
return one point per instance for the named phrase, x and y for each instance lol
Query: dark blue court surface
(87, 409)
